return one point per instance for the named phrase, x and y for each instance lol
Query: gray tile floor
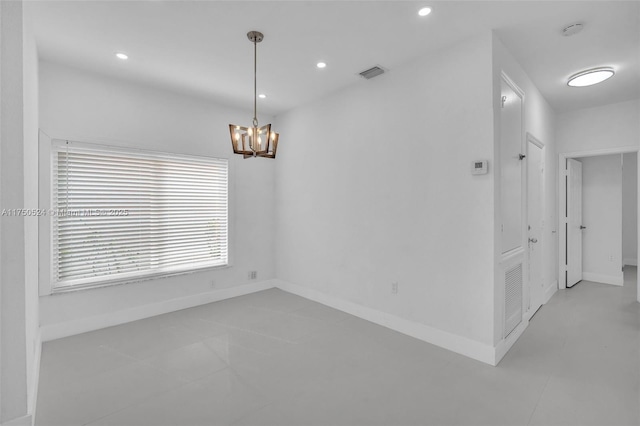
(272, 358)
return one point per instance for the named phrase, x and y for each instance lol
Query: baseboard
(630, 261)
(603, 279)
(33, 398)
(549, 292)
(29, 419)
(459, 344)
(20, 421)
(504, 345)
(83, 325)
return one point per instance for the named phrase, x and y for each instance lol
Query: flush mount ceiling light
(321, 65)
(254, 141)
(262, 96)
(122, 56)
(590, 77)
(424, 11)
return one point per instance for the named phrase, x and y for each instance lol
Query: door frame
(543, 208)
(562, 195)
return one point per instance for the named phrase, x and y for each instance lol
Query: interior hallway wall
(630, 209)
(602, 216)
(540, 121)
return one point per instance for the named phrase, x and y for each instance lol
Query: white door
(574, 222)
(511, 170)
(533, 294)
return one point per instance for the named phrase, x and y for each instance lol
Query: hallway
(586, 342)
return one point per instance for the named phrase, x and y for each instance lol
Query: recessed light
(321, 65)
(590, 77)
(262, 96)
(122, 56)
(424, 11)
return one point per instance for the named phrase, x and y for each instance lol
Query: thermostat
(479, 167)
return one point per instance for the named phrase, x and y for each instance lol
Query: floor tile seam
(205, 336)
(73, 383)
(533, 412)
(241, 379)
(266, 308)
(252, 307)
(293, 313)
(180, 346)
(251, 412)
(140, 401)
(178, 377)
(225, 324)
(116, 351)
(246, 330)
(257, 351)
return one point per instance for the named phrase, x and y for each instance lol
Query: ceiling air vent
(372, 72)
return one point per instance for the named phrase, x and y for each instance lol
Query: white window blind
(121, 214)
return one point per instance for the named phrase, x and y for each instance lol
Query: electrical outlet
(253, 275)
(394, 288)
(611, 258)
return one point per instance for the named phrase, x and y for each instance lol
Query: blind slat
(128, 213)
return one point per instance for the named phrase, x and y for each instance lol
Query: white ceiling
(200, 47)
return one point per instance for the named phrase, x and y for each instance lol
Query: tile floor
(272, 358)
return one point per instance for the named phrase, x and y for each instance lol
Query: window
(121, 214)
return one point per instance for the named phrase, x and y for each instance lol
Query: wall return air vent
(372, 72)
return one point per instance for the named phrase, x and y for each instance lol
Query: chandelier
(254, 141)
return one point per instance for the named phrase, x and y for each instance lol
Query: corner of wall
(455, 343)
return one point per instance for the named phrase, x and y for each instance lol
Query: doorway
(600, 240)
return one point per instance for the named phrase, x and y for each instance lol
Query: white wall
(539, 121)
(602, 215)
(609, 126)
(630, 209)
(30, 77)
(375, 187)
(13, 345)
(80, 106)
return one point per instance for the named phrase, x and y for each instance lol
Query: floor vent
(512, 299)
(372, 72)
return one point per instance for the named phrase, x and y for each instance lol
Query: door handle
(533, 240)
(583, 227)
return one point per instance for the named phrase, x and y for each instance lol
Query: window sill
(131, 280)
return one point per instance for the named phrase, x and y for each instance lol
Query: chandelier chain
(255, 82)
